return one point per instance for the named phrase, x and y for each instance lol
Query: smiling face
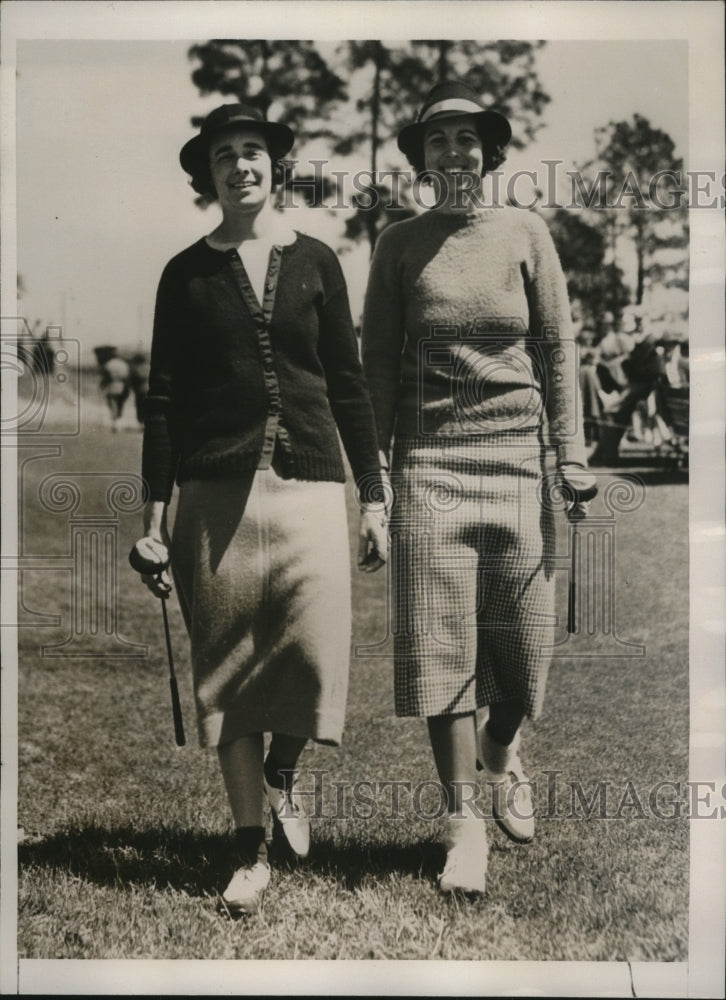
(452, 146)
(241, 169)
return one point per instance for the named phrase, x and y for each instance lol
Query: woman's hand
(158, 546)
(373, 538)
(580, 487)
(159, 583)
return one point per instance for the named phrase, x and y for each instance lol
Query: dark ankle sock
(505, 718)
(251, 845)
(276, 776)
(501, 735)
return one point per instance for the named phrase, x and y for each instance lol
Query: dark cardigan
(224, 370)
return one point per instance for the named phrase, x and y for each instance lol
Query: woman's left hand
(373, 539)
(581, 488)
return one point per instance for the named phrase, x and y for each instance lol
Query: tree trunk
(265, 96)
(640, 252)
(375, 142)
(442, 65)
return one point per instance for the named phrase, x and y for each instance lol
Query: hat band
(240, 119)
(452, 104)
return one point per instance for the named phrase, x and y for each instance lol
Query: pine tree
(291, 77)
(304, 83)
(398, 77)
(640, 173)
(594, 286)
(293, 74)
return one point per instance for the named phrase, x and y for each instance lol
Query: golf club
(151, 558)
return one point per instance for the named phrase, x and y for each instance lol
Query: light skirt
(262, 569)
(472, 563)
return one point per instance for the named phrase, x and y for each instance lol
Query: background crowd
(120, 377)
(634, 385)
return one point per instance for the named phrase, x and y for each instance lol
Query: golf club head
(149, 557)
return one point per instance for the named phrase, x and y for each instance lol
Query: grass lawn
(126, 838)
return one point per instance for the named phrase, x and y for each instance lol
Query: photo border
(701, 23)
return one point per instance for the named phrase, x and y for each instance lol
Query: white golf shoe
(511, 789)
(466, 855)
(246, 889)
(288, 814)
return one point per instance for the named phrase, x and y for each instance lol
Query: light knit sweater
(467, 330)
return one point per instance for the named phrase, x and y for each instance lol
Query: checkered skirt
(472, 564)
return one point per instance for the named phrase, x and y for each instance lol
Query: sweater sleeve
(159, 452)
(348, 393)
(554, 345)
(383, 335)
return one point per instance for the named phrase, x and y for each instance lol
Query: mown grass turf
(127, 839)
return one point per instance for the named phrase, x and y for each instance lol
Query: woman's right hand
(159, 544)
(373, 533)
(160, 583)
(372, 539)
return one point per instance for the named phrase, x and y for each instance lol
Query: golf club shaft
(175, 702)
(572, 595)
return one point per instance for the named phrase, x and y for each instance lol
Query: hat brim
(280, 140)
(411, 136)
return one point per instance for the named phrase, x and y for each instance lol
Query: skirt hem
(225, 727)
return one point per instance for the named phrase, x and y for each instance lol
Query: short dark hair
(494, 155)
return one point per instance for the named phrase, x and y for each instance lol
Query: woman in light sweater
(469, 357)
(254, 372)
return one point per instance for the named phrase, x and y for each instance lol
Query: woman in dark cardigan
(254, 371)
(469, 355)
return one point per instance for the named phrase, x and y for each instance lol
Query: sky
(102, 203)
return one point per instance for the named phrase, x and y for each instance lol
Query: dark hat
(104, 353)
(452, 100)
(193, 153)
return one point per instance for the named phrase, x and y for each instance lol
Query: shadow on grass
(351, 863)
(648, 469)
(125, 856)
(198, 863)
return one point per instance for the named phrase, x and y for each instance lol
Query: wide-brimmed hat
(452, 100)
(194, 153)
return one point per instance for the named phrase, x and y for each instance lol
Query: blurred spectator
(614, 349)
(25, 348)
(44, 356)
(673, 393)
(675, 360)
(654, 412)
(590, 389)
(683, 363)
(642, 370)
(115, 381)
(139, 381)
(668, 348)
